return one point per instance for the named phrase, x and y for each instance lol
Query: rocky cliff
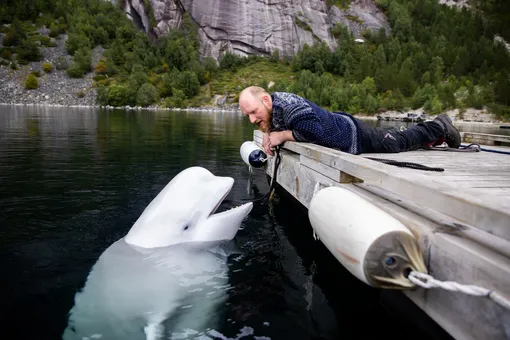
(247, 27)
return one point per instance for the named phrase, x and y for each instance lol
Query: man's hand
(275, 138)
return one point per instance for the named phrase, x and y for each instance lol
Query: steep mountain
(257, 27)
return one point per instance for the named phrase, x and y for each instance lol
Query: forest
(435, 57)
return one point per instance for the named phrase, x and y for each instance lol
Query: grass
(355, 19)
(303, 25)
(342, 4)
(258, 73)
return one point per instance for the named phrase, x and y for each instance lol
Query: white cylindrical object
(252, 154)
(350, 227)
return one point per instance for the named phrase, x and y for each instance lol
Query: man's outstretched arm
(276, 138)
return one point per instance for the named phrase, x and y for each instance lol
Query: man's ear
(266, 99)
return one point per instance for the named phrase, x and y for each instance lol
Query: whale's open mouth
(227, 211)
(219, 202)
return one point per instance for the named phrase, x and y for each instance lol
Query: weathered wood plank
(466, 317)
(449, 257)
(482, 212)
(487, 178)
(465, 173)
(476, 209)
(484, 138)
(258, 139)
(503, 192)
(328, 171)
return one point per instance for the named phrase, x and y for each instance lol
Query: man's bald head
(252, 91)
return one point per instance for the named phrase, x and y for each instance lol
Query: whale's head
(184, 212)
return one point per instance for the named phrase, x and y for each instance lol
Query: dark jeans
(392, 140)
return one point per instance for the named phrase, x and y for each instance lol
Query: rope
(426, 281)
(491, 150)
(473, 147)
(406, 164)
(269, 196)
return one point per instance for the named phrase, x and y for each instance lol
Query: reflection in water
(75, 180)
(136, 293)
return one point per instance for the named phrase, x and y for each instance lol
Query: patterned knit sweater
(311, 123)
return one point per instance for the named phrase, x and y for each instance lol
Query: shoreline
(134, 108)
(209, 109)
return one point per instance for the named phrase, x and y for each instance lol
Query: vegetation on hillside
(436, 57)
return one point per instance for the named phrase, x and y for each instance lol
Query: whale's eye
(186, 227)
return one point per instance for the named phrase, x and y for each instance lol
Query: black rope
(473, 147)
(265, 199)
(406, 164)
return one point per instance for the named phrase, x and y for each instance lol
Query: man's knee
(390, 143)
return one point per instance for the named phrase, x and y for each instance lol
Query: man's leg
(381, 140)
(420, 135)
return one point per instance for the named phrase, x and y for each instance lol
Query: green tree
(83, 58)
(188, 82)
(146, 95)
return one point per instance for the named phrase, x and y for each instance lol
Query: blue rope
(490, 150)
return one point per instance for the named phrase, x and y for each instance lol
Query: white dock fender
(252, 154)
(371, 244)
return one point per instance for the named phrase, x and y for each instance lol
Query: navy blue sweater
(311, 123)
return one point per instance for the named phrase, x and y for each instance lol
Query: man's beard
(266, 124)
(263, 127)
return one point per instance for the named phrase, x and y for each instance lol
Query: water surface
(73, 181)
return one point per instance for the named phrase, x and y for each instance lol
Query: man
(285, 116)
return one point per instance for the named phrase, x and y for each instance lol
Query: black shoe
(451, 134)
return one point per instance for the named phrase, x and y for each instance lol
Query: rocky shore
(469, 115)
(56, 87)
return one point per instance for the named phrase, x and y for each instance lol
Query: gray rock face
(361, 15)
(247, 27)
(136, 12)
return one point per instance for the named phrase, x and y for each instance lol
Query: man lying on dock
(284, 116)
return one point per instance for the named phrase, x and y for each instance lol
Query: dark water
(73, 181)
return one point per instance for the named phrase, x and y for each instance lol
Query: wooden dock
(461, 218)
(485, 138)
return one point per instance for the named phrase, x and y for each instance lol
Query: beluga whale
(168, 275)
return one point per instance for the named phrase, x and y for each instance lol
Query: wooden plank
(481, 184)
(323, 169)
(485, 138)
(449, 256)
(328, 171)
(446, 224)
(487, 178)
(463, 316)
(482, 211)
(503, 192)
(467, 173)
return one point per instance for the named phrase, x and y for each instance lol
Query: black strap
(265, 199)
(406, 164)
